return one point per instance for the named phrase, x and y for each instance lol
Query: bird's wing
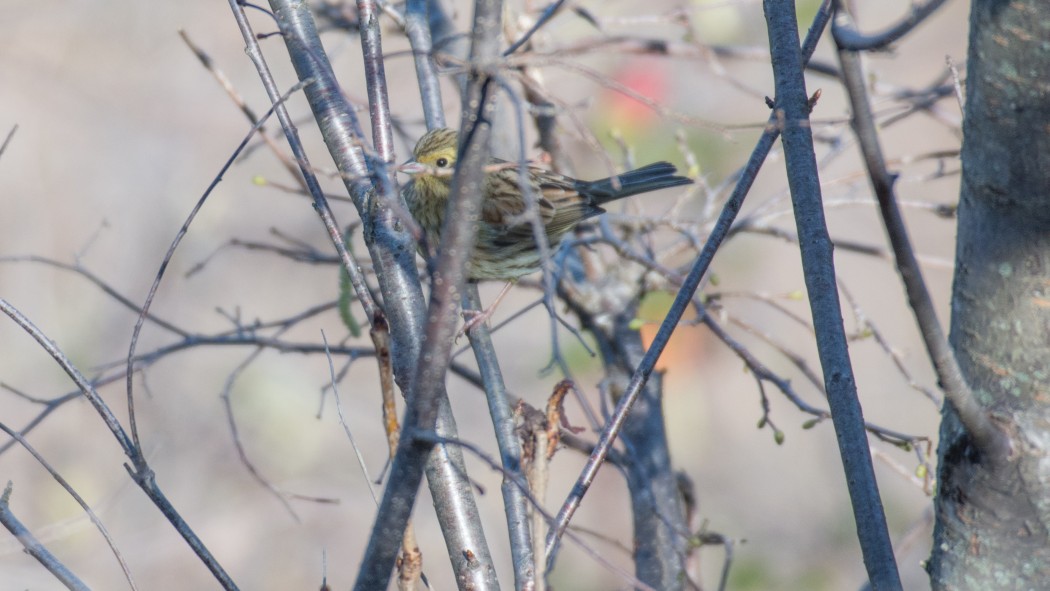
(567, 208)
(560, 205)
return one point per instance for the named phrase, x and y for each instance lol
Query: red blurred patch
(646, 78)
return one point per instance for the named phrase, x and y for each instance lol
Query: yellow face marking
(437, 151)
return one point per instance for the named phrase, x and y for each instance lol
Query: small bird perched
(505, 248)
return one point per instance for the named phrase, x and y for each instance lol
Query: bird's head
(434, 158)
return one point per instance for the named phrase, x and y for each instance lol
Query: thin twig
(141, 472)
(7, 139)
(34, 548)
(76, 497)
(155, 287)
(238, 100)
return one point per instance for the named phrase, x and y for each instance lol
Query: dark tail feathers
(658, 175)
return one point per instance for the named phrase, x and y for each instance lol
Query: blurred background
(119, 132)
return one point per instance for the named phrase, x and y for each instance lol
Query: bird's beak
(412, 167)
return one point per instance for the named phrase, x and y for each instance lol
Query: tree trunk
(993, 517)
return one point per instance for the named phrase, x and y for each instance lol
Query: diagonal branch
(678, 307)
(975, 418)
(792, 107)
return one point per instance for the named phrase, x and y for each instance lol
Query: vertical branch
(447, 40)
(1000, 505)
(514, 500)
(375, 84)
(418, 30)
(792, 106)
(515, 505)
(393, 253)
(427, 386)
(657, 512)
(656, 505)
(410, 565)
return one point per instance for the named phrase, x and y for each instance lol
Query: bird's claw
(472, 318)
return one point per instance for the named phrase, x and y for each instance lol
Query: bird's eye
(441, 162)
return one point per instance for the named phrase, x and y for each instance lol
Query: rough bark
(993, 512)
(660, 526)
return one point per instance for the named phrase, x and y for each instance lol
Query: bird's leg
(476, 317)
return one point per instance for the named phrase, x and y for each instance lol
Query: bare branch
(972, 414)
(847, 36)
(35, 548)
(792, 108)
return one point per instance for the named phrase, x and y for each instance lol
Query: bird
(505, 247)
